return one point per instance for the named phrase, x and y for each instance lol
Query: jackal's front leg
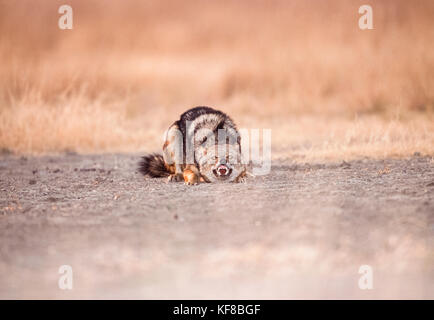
(191, 175)
(172, 153)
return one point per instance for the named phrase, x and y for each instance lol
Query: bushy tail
(153, 165)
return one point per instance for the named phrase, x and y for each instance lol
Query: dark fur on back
(153, 165)
(195, 112)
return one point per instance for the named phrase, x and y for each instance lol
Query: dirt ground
(302, 231)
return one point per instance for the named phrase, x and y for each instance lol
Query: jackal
(204, 145)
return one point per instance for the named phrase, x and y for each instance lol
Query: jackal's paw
(176, 177)
(190, 177)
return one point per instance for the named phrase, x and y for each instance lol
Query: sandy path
(300, 232)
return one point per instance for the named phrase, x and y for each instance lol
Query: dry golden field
(127, 69)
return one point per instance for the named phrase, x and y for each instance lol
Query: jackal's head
(220, 162)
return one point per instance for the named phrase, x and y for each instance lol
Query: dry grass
(302, 68)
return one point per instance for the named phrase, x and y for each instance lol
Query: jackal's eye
(204, 140)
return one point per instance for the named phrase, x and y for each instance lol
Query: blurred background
(328, 90)
(127, 69)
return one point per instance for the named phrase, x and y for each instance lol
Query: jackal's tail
(153, 165)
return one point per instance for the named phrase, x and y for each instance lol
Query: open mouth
(222, 171)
